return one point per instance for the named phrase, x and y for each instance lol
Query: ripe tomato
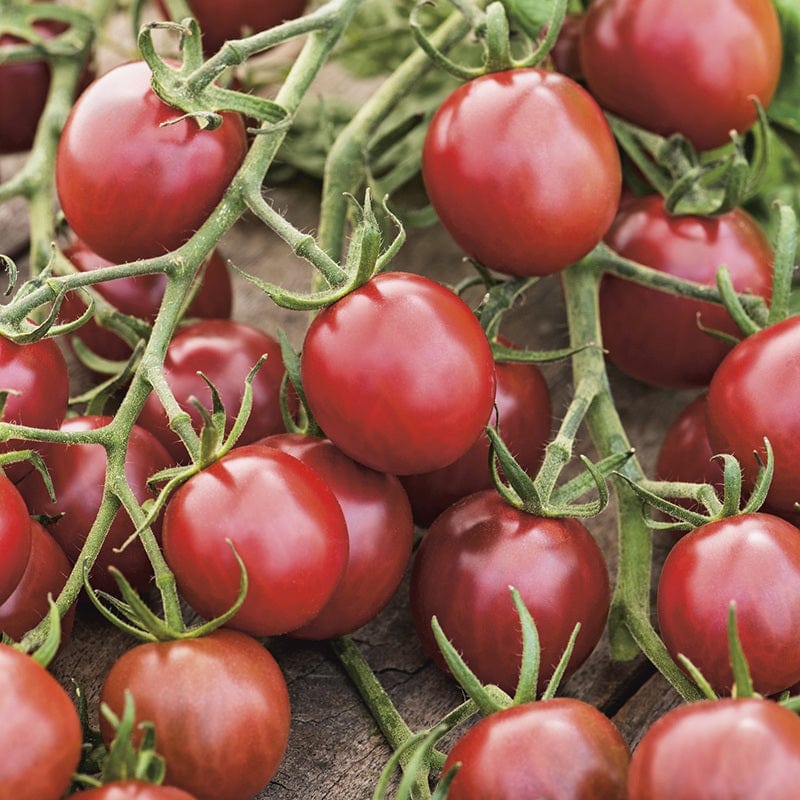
(683, 66)
(131, 187)
(15, 537)
(40, 734)
(219, 705)
(653, 336)
(135, 790)
(523, 171)
(380, 534)
(286, 526)
(462, 572)
(566, 50)
(754, 561)
(738, 749)
(754, 395)
(78, 473)
(558, 748)
(399, 374)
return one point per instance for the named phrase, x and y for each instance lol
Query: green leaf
(785, 106)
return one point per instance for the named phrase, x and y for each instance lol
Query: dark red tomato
(36, 377)
(523, 171)
(523, 407)
(561, 749)
(135, 790)
(754, 394)
(236, 18)
(224, 351)
(286, 526)
(653, 336)
(754, 561)
(683, 66)
(78, 473)
(141, 297)
(566, 51)
(399, 374)
(738, 749)
(45, 574)
(380, 532)
(220, 709)
(41, 736)
(462, 572)
(131, 187)
(15, 537)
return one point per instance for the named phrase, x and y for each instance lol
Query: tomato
(653, 336)
(219, 705)
(566, 50)
(141, 297)
(40, 733)
(286, 526)
(739, 559)
(45, 574)
(135, 790)
(224, 351)
(462, 572)
(523, 171)
(78, 473)
(380, 534)
(399, 374)
(738, 749)
(683, 66)
(131, 187)
(561, 748)
(523, 407)
(754, 395)
(15, 537)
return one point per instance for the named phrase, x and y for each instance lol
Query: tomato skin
(543, 186)
(15, 537)
(754, 395)
(41, 736)
(738, 749)
(740, 559)
(380, 534)
(294, 561)
(399, 374)
(135, 790)
(220, 707)
(224, 351)
(654, 337)
(683, 66)
(114, 158)
(484, 546)
(561, 749)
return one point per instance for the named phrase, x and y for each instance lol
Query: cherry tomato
(738, 749)
(15, 537)
(754, 395)
(224, 351)
(286, 526)
(683, 66)
(380, 533)
(399, 374)
(653, 336)
(462, 572)
(40, 734)
(560, 748)
(219, 705)
(78, 473)
(131, 187)
(135, 790)
(523, 171)
(754, 561)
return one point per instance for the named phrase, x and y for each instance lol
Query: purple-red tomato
(15, 537)
(224, 351)
(462, 572)
(752, 560)
(654, 336)
(380, 534)
(399, 374)
(219, 705)
(130, 186)
(283, 521)
(522, 170)
(683, 66)
(561, 749)
(135, 790)
(738, 749)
